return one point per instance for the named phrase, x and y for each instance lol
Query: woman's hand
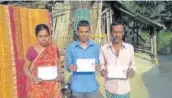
(37, 80)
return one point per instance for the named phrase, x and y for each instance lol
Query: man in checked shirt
(121, 54)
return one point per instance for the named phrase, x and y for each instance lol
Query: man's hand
(98, 67)
(130, 73)
(72, 68)
(58, 79)
(104, 73)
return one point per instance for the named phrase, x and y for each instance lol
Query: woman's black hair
(40, 27)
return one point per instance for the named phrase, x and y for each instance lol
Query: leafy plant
(164, 40)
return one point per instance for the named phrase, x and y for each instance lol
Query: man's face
(83, 33)
(117, 33)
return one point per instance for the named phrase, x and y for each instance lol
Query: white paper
(47, 73)
(118, 72)
(85, 65)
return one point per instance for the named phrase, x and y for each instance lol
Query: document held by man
(85, 65)
(48, 72)
(118, 72)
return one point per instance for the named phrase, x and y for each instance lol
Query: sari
(46, 89)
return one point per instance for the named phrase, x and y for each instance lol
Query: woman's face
(43, 37)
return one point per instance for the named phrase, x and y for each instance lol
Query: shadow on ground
(158, 80)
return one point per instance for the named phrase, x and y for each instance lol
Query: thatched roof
(118, 5)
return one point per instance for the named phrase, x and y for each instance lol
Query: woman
(42, 54)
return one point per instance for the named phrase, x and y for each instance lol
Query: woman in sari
(42, 54)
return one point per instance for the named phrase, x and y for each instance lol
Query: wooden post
(153, 35)
(99, 22)
(133, 34)
(151, 41)
(155, 46)
(111, 14)
(137, 31)
(110, 17)
(108, 25)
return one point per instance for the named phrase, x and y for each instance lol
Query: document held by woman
(48, 72)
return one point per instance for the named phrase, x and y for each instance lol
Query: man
(121, 54)
(83, 84)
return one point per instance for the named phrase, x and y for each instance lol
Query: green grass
(143, 64)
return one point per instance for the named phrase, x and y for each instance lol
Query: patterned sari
(46, 89)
